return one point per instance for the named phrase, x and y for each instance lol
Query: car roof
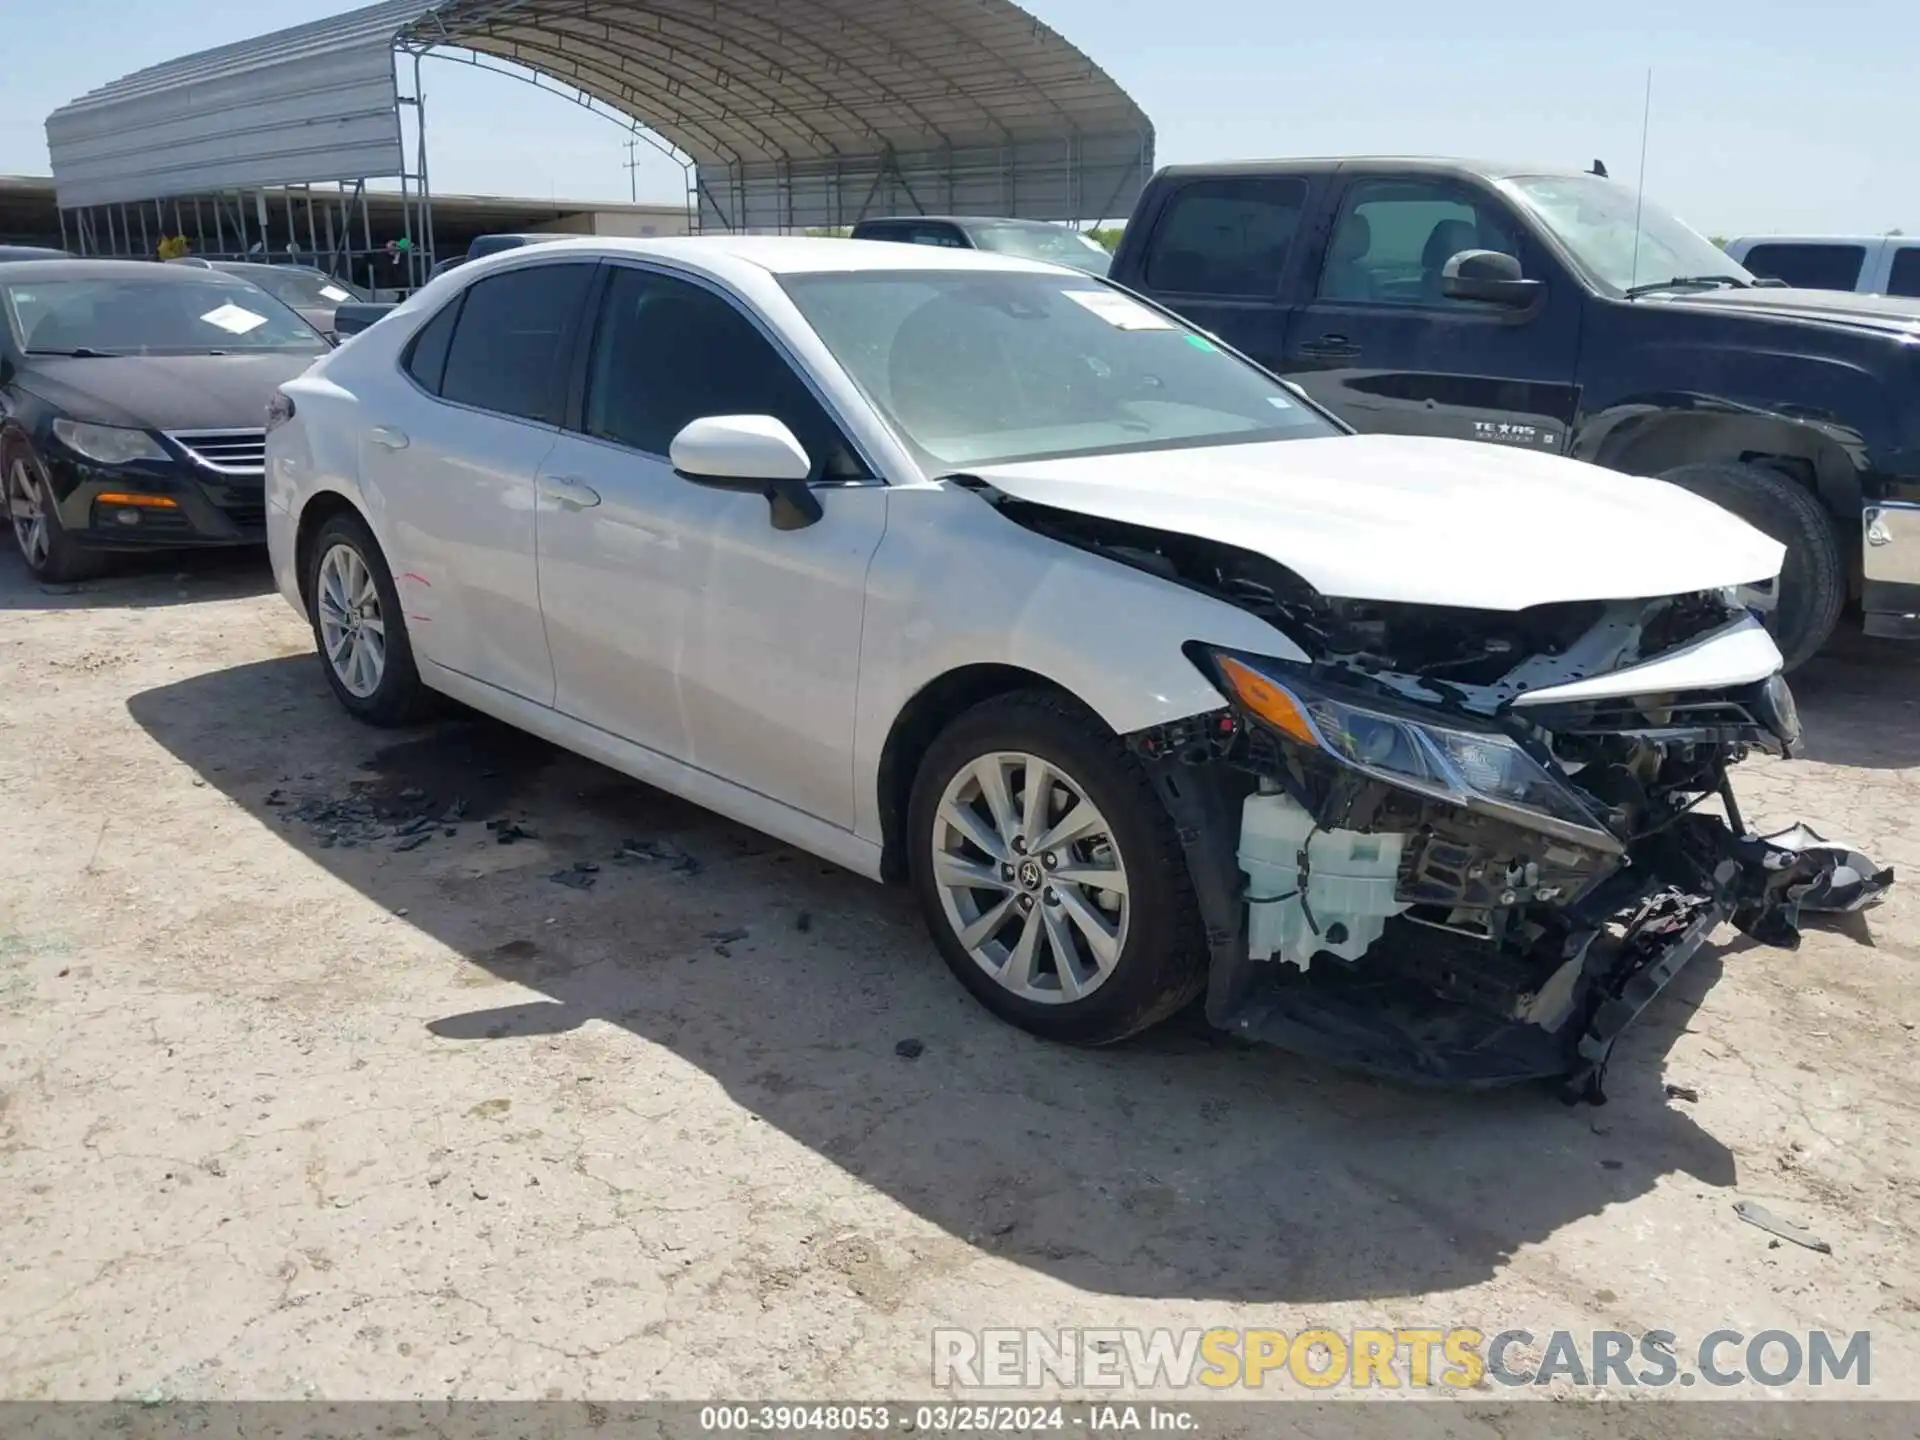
(34, 252)
(776, 254)
(964, 220)
(1437, 164)
(75, 269)
(1820, 239)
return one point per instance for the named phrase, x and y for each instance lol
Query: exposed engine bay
(1449, 846)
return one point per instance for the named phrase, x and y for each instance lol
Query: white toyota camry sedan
(987, 577)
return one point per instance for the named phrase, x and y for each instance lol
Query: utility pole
(633, 171)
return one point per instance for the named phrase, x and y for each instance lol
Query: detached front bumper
(1890, 569)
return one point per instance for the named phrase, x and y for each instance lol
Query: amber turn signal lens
(149, 502)
(1267, 700)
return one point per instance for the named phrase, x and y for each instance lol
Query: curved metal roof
(737, 85)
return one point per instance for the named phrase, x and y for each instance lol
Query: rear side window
(426, 357)
(509, 345)
(1809, 267)
(1226, 237)
(1905, 279)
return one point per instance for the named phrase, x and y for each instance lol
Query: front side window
(1226, 237)
(509, 347)
(1620, 239)
(1394, 238)
(1905, 277)
(122, 316)
(667, 352)
(1809, 267)
(978, 368)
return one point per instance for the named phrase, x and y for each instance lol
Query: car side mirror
(1490, 276)
(752, 453)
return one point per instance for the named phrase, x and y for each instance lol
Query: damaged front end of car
(1469, 847)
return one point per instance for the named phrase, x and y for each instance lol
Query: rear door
(1224, 254)
(1381, 346)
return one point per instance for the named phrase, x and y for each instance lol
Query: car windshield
(300, 287)
(977, 368)
(1053, 243)
(127, 316)
(1621, 240)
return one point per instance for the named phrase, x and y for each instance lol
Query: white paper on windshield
(334, 293)
(1117, 310)
(233, 319)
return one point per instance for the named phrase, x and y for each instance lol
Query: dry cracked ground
(290, 1111)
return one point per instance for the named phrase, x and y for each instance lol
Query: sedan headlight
(1481, 770)
(109, 444)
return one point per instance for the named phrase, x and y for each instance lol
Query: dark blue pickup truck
(1557, 310)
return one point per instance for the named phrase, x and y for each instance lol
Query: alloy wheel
(1030, 877)
(27, 507)
(353, 632)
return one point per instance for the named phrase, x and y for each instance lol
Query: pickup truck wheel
(1813, 585)
(1050, 873)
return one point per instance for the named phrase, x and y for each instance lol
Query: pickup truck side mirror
(1490, 276)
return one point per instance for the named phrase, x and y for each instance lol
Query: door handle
(569, 493)
(1330, 347)
(388, 438)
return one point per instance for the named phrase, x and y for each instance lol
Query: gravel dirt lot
(288, 1111)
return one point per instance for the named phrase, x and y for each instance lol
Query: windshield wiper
(1638, 290)
(81, 353)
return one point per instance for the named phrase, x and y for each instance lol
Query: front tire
(1813, 578)
(358, 626)
(48, 550)
(1050, 873)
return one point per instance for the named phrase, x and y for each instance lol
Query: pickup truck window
(1595, 219)
(1394, 238)
(988, 369)
(1809, 267)
(1905, 277)
(1226, 237)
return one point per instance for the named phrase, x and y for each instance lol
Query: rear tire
(358, 626)
(1137, 953)
(33, 519)
(1813, 579)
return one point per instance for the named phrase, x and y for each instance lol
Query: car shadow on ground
(140, 582)
(1181, 1164)
(1859, 700)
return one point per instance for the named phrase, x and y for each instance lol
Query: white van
(1865, 264)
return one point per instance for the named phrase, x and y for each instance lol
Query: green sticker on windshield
(1200, 342)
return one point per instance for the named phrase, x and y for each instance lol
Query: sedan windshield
(1621, 240)
(1053, 243)
(979, 368)
(130, 316)
(300, 287)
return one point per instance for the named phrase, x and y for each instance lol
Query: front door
(450, 459)
(679, 618)
(1385, 350)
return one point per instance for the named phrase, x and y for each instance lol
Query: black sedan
(312, 292)
(133, 402)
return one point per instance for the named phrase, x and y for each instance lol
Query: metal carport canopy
(794, 112)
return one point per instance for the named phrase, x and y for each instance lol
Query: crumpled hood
(1424, 521)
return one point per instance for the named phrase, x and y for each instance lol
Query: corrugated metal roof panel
(748, 89)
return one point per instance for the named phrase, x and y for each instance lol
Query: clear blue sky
(1765, 117)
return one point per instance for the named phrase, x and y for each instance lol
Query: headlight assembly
(109, 444)
(1481, 770)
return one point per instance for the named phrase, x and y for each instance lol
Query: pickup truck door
(1376, 341)
(1224, 253)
